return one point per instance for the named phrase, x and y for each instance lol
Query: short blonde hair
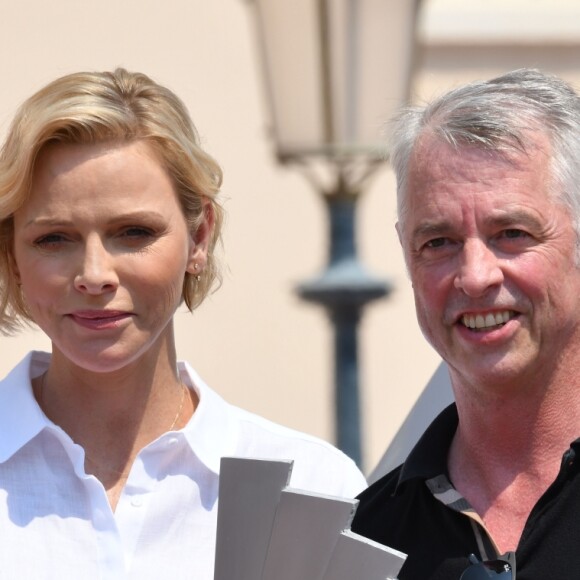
(91, 107)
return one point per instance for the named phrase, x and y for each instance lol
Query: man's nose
(479, 268)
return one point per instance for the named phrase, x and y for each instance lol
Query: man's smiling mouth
(487, 321)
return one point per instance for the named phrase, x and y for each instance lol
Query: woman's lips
(99, 319)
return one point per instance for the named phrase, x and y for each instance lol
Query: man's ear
(399, 229)
(399, 233)
(200, 241)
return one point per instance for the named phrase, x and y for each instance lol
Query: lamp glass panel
(373, 44)
(337, 99)
(290, 46)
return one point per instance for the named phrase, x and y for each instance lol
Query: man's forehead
(445, 181)
(435, 161)
(431, 151)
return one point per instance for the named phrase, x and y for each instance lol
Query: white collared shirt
(56, 522)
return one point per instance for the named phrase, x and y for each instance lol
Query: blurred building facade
(254, 341)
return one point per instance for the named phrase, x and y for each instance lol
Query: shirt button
(172, 441)
(137, 501)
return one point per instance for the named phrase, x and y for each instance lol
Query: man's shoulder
(376, 502)
(402, 497)
(383, 488)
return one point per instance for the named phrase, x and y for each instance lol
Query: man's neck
(507, 451)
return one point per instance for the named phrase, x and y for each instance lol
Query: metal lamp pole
(335, 71)
(344, 288)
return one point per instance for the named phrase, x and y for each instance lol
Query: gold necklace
(125, 474)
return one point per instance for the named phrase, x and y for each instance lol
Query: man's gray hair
(499, 115)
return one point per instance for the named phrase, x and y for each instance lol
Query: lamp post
(335, 71)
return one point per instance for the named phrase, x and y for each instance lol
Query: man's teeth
(485, 321)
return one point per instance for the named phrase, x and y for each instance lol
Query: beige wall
(254, 341)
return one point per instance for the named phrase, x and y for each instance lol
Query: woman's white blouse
(56, 522)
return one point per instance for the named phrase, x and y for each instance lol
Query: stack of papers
(269, 531)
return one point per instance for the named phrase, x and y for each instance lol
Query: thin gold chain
(125, 474)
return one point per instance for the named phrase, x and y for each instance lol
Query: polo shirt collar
(428, 458)
(20, 415)
(212, 432)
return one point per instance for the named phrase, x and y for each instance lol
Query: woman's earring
(196, 268)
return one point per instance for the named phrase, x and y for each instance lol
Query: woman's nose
(96, 273)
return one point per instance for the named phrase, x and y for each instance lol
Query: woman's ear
(200, 241)
(15, 269)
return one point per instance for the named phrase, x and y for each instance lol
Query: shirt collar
(212, 432)
(20, 415)
(428, 458)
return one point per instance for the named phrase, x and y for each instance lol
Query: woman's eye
(137, 232)
(137, 237)
(49, 240)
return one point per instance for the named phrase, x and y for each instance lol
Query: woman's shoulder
(32, 364)
(318, 465)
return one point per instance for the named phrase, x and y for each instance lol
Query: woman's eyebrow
(124, 217)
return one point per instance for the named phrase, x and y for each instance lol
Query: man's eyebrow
(510, 218)
(505, 219)
(430, 229)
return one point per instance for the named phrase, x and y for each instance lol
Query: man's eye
(514, 233)
(436, 243)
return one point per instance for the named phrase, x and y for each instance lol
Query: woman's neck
(116, 414)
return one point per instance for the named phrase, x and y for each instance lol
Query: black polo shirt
(416, 510)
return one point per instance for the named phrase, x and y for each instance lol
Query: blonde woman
(110, 447)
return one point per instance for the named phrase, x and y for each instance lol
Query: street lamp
(335, 71)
